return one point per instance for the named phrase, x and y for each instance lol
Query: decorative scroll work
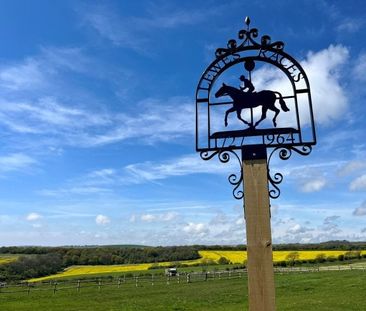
(248, 36)
(284, 153)
(236, 180)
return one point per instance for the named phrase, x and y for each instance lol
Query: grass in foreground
(321, 291)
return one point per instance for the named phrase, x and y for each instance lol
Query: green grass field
(333, 291)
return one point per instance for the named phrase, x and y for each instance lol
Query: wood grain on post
(261, 289)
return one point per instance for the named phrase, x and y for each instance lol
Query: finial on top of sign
(247, 21)
(248, 37)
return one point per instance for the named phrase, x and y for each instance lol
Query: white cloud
(168, 216)
(360, 211)
(199, 229)
(102, 220)
(330, 219)
(33, 216)
(351, 166)
(297, 228)
(76, 190)
(359, 69)
(274, 209)
(185, 165)
(324, 70)
(313, 185)
(15, 162)
(350, 24)
(165, 217)
(157, 122)
(148, 217)
(35, 73)
(37, 99)
(135, 32)
(23, 76)
(48, 117)
(103, 180)
(219, 220)
(359, 184)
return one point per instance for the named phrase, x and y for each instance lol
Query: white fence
(154, 279)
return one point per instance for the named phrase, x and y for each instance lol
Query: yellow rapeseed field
(83, 270)
(233, 256)
(241, 256)
(7, 259)
(99, 269)
(236, 257)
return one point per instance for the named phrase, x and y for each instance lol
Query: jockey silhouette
(246, 84)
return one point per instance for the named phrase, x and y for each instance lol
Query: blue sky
(97, 122)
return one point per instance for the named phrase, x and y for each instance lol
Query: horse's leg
(277, 111)
(227, 113)
(238, 113)
(263, 116)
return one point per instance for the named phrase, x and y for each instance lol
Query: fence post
(152, 279)
(188, 278)
(55, 288)
(136, 280)
(28, 289)
(78, 286)
(119, 282)
(99, 284)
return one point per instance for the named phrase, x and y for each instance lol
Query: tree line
(36, 261)
(329, 245)
(109, 255)
(26, 267)
(42, 261)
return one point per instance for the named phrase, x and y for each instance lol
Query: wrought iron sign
(253, 96)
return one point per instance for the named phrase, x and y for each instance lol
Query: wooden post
(261, 289)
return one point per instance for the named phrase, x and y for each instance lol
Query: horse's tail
(282, 102)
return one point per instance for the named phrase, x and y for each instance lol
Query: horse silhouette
(243, 100)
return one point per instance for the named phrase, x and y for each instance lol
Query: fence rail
(152, 280)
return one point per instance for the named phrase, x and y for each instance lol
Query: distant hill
(106, 246)
(329, 245)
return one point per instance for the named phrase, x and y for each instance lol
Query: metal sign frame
(252, 139)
